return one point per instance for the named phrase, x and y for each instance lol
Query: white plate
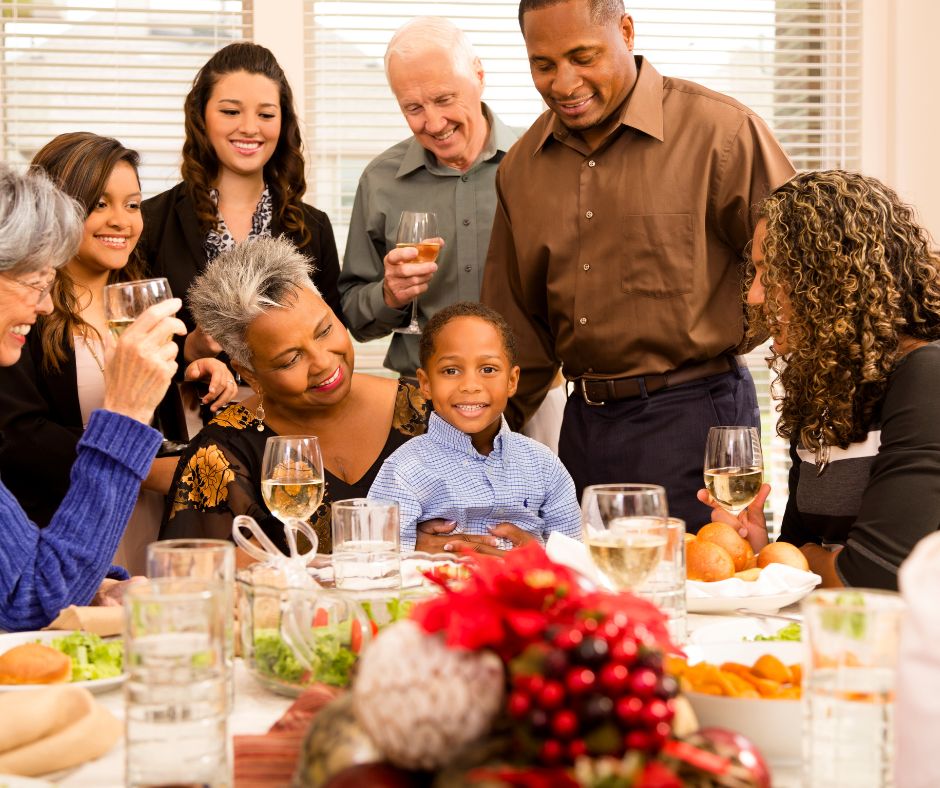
(13, 781)
(740, 629)
(769, 603)
(12, 639)
(775, 726)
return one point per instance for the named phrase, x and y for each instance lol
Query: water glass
(366, 544)
(176, 699)
(665, 587)
(851, 642)
(211, 560)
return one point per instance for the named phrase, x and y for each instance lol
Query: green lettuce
(92, 658)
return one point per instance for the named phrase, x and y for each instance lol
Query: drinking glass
(851, 641)
(292, 478)
(209, 560)
(366, 544)
(665, 586)
(624, 527)
(176, 700)
(418, 229)
(124, 301)
(734, 466)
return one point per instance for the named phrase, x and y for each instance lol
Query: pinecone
(592, 687)
(421, 701)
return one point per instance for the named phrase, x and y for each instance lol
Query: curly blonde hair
(846, 258)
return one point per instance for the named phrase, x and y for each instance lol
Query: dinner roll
(782, 553)
(726, 536)
(707, 561)
(34, 663)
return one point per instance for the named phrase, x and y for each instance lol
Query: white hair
(425, 33)
(243, 283)
(40, 225)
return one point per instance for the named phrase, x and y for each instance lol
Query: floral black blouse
(219, 476)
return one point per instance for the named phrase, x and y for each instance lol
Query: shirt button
(466, 222)
(587, 266)
(592, 163)
(465, 178)
(583, 321)
(468, 268)
(589, 214)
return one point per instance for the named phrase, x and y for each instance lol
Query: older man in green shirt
(448, 166)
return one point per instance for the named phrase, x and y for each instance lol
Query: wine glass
(734, 466)
(124, 301)
(418, 229)
(292, 478)
(624, 527)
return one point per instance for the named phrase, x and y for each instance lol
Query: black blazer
(173, 246)
(41, 421)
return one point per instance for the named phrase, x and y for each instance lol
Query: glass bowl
(293, 637)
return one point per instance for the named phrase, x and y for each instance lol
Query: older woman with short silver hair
(258, 302)
(45, 570)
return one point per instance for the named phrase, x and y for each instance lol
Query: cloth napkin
(53, 728)
(571, 553)
(104, 621)
(773, 579)
(269, 760)
(917, 711)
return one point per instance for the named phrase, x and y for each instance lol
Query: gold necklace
(90, 345)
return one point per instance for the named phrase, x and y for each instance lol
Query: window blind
(119, 69)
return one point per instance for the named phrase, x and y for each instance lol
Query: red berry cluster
(592, 687)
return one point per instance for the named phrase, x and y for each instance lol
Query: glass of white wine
(124, 301)
(418, 229)
(624, 527)
(292, 479)
(734, 466)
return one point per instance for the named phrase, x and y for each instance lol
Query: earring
(259, 414)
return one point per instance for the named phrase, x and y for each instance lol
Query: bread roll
(726, 536)
(782, 553)
(34, 663)
(707, 561)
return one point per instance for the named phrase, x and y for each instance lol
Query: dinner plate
(738, 629)
(12, 639)
(14, 781)
(769, 603)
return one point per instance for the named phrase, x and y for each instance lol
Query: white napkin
(773, 579)
(571, 553)
(917, 712)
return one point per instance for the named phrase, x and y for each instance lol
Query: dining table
(256, 709)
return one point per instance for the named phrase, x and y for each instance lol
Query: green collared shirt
(407, 177)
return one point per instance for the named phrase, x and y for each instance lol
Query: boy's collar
(446, 434)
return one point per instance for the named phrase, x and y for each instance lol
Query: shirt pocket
(658, 259)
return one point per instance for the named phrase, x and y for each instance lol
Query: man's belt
(599, 391)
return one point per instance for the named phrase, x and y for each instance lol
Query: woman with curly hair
(243, 176)
(845, 281)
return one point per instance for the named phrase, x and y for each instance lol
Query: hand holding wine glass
(624, 528)
(292, 478)
(418, 229)
(125, 301)
(734, 467)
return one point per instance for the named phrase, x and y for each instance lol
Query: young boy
(470, 467)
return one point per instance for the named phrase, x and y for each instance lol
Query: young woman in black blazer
(243, 176)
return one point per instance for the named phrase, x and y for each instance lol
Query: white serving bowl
(775, 726)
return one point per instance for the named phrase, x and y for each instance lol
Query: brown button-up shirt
(627, 259)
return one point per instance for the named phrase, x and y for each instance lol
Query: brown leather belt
(599, 391)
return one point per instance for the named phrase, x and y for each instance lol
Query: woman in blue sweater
(44, 570)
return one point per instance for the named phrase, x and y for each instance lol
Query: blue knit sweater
(44, 570)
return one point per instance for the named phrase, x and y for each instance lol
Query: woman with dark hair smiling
(846, 283)
(243, 177)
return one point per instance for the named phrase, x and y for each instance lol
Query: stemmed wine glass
(124, 301)
(292, 479)
(624, 527)
(734, 466)
(418, 229)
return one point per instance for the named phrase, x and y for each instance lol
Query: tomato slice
(321, 618)
(355, 636)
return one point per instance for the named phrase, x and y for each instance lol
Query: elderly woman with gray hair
(44, 570)
(258, 302)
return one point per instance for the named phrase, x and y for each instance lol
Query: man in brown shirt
(618, 251)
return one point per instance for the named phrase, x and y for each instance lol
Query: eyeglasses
(41, 289)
